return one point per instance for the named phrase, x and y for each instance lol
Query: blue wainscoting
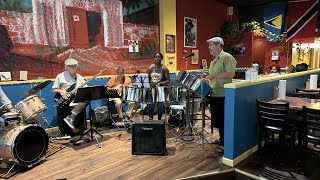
(241, 123)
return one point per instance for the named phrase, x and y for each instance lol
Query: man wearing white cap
(221, 71)
(61, 86)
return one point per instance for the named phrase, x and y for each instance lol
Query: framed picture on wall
(170, 43)
(195, 57)
(5, 76)
(190, 32)
(204, 63)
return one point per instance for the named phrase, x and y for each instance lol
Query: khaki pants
(118, 104)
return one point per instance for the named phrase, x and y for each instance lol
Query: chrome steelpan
(181, 76)
(131, 94)
(163, 94)
(30, 107)
(124, 93)
(177, 94)
(149, 95)
(25, 145)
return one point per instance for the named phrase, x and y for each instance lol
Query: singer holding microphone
(221, 71)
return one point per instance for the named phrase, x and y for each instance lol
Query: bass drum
(25, 145)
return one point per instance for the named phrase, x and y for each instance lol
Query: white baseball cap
(71, 62)
(217, 40)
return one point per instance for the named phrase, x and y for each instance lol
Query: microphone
(192, 54)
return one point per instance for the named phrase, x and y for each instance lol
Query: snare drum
(177, 116)
(31, 107)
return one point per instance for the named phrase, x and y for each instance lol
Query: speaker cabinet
(148, 138)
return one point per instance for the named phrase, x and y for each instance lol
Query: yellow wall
(167, 13)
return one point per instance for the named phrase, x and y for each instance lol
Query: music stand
(111, 93)
(87, 94)
(143, 81)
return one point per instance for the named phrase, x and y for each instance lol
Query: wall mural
(39, 35)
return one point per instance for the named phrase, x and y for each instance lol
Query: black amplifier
(148, 137)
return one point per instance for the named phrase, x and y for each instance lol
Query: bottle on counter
(308, 84)
(276, 92)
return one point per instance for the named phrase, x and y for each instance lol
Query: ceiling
(248, 3)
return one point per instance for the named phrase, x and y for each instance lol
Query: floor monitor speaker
(148, 137)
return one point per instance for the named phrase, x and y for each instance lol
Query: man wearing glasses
(67, 115)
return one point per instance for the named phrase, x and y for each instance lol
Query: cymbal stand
(201, 140)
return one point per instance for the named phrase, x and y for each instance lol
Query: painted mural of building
(73, 23)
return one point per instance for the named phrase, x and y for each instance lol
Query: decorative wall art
(190, 32)
(195, 57)
(204, 63)
(133, 46)
(170, 43)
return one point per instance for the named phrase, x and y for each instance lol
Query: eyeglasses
(72, 66)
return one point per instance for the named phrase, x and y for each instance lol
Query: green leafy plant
(252, 26)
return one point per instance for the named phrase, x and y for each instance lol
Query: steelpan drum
(25, 145)
(148, 95)
(181, 76)
(30, 107)
(163, 94)
(177, 116)
(124, 93)
(177, 94)
(131, 94)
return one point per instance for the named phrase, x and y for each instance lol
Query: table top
(297, 102)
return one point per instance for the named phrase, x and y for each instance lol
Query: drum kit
(22, 141)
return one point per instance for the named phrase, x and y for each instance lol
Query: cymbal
(37, 88)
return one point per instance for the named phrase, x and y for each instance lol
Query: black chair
(308, 93)
(311, 133)
(273, 119)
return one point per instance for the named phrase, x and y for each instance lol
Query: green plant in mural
(15, 5)
(147, 51)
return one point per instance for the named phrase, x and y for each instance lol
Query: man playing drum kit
(6, 102)
(117, 82)
(61, 85)
(158, 75)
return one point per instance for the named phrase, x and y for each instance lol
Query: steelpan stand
(201, 135)
(188, 133)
